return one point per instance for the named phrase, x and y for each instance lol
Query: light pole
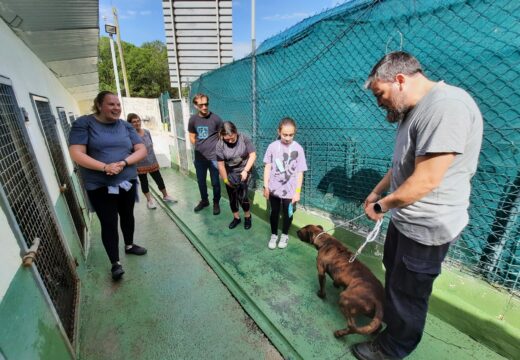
(111, 30)
(253, 73)
(120, 48)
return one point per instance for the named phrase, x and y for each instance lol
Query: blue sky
(141, 20)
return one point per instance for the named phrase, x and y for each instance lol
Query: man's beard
(398, 111)
(397, 115)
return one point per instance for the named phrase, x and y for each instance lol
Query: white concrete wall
(147, 109)
(28, 75)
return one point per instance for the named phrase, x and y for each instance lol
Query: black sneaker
(136, 250)
(117, 272)
(216, 209)
(233, 224)
(201, 205)
(247, 222)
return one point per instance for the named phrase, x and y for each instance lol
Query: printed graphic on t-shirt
(287, 170)
(203, 132)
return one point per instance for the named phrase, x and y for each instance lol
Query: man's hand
(371, 214)
(266, 193)
(244, 175)
(296, 197)
(371, 198)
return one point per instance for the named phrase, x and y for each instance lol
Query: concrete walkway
(170, 305)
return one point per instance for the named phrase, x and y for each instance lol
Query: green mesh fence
(315, 72)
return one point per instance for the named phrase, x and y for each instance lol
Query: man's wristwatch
(126, 162)
(378, 208)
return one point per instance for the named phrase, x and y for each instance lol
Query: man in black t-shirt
(203, 128)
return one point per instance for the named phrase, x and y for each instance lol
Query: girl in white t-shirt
(283, 177)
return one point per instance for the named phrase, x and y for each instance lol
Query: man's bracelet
(126, 162)
(298, 190)
(226, 181)
(104, 168)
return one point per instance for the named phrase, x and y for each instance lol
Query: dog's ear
(321, 227)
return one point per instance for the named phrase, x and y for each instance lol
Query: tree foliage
(146, 69)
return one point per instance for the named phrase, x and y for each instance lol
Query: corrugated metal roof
(64, 35)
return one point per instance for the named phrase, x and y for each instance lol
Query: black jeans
(156, 176)
(235, 198)
(108, 207)
(201, 169)
(277, 203)
(411, 268)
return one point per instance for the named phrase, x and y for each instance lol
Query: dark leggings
(276, 203)
(108, 207)
(156, 176)
(234, 200)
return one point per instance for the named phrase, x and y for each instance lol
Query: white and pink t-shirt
(286, 162)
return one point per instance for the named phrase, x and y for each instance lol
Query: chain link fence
(315, 72)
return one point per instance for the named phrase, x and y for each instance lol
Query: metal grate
(72, 118)
(50, 131)
(30, 205)
(65, 125)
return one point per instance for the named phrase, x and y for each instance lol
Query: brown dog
(363, 294)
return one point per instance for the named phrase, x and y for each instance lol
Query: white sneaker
(169, 199)
(272, 242)
(284, 239)
(151, 204)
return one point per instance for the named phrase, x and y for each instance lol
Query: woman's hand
(114, 168)
(266, 192)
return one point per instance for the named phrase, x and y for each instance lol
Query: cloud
(145, 12)
(278, 17)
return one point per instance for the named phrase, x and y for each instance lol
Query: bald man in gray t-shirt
(436, 153)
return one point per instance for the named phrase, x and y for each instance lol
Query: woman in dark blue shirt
(107, 148)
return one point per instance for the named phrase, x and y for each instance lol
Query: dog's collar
(317, 236)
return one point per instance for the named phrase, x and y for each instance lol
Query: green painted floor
(171, 305)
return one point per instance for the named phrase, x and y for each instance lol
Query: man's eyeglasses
(203, 105)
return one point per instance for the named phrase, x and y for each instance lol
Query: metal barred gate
(30, 205)
(48, 126)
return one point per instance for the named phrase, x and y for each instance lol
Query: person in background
(149, 165)
(236, 156)
(106, 149)
(283, 177)
(203, 128)
(439, 134)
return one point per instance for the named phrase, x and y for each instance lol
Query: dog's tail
(375, 324)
